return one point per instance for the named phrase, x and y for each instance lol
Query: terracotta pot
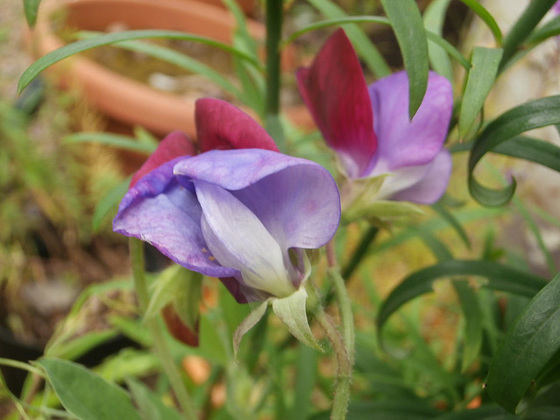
(122, 98)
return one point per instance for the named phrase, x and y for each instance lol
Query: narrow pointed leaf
(87, 395)
(248, 323)
(292, 312)
(499, 277)
(534, 150)
(452, 220)
(411, 36)
(363, 46)
(68, 50)
(434, 17)
(109, 204)
(113, 140)
(523, 27)
(487, 18)
(31, 9)
(480, 79)
(470, 307)
(150, 405)
(528, 347)
(535, 114)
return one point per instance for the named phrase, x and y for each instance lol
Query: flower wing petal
(221, 126)
(161, 212)
(299, 205)
(432, 185)
(335, 91)
(174, 145)
(407, 143)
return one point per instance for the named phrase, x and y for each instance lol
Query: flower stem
(343, 346)
(344, 369)
(360, 253)
(160, 346)
(273, 20)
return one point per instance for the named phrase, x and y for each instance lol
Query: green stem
(160, 346)
(345, 307)
(344, 370)
(273, 20)
(360, 253)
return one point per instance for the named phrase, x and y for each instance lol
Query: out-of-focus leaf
(480, 80)
(364, 47)
(150, 405)
(411, 37)
(68, 50)
(434, 16)
(523, 27)
(534, 150)
(108, 202)
(499, 277)
(487, 18)
(386, 410)
(306, 373)
(528, 347)
(452, 220)
(85, 394)
(535, 114)
(31, 9)
(487, 412)
(113, 140)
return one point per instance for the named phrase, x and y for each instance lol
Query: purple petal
(402, 142)
(221, 126)
(299, 205)
(238, 239)
(236, 169)
(161, 212)
(335, 91)
(174, 145)
(432, 185)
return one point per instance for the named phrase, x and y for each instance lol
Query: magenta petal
(174, 145)
(161, 212)
(432, 185)
(221, 126)
(335, 91)
(408, 143)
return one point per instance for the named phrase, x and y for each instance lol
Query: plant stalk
(137, 259)
(273, 21)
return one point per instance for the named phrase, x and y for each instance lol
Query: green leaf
(362, 44)
(499, 277)
(68, 50)
(528, 347)
(306, 374)
(486, 412)
(523, 27)
(549, 29)
(150, 405)
(31, 9)
(113, 140)
(85, 394)
(434, 17)
(535, 114)
(108, 203)
(470, 307)
(248, 323)
(180, 287)
(411, 36)
(531, 149)
(487, 18)
(480, 80)
(452, 220)
(292, 312)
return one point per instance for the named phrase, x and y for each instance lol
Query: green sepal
(291, 311)
(249, 322)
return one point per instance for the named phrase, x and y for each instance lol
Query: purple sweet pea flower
(369, 127)
(245, 216)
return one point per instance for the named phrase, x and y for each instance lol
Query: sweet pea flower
(244, 215)
(369, 128)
